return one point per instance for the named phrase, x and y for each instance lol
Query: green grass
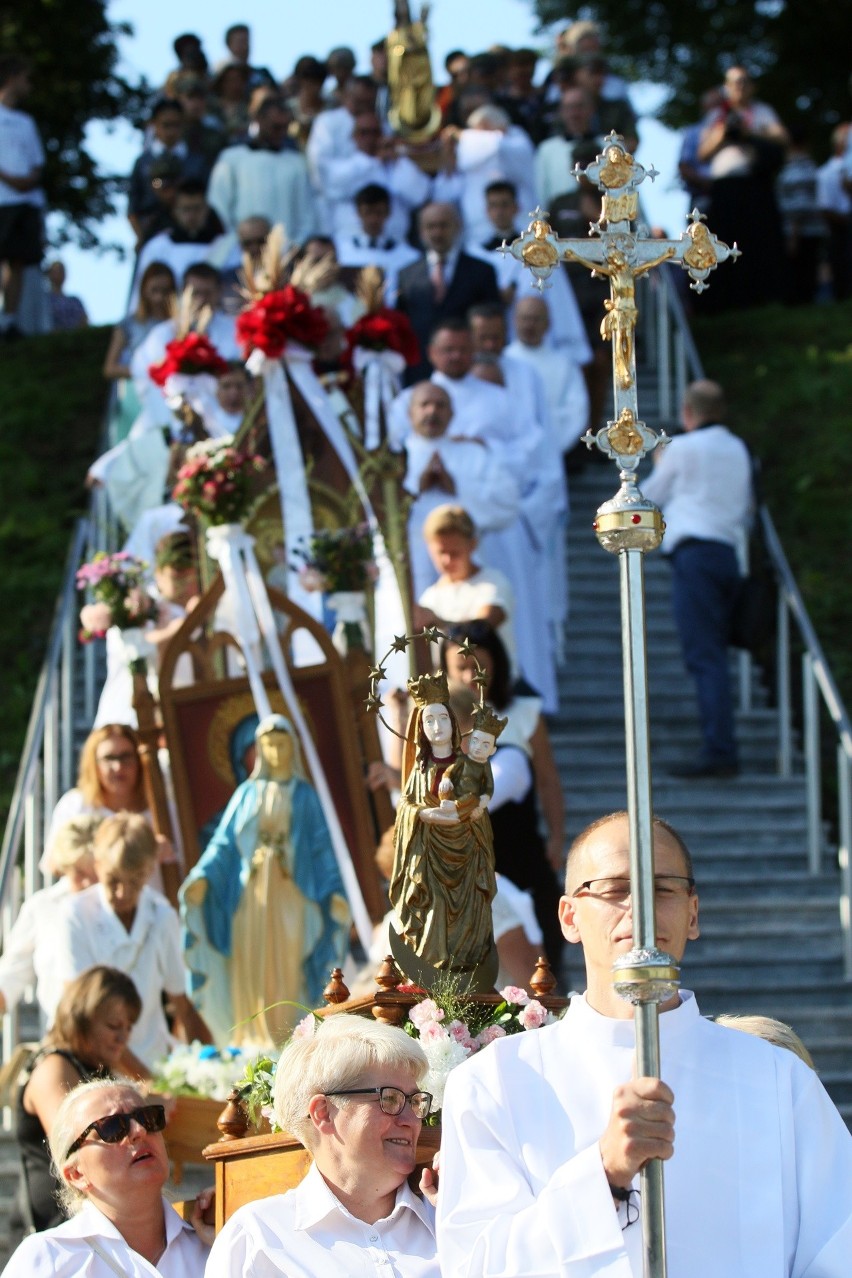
(52, 400)
(788, 376)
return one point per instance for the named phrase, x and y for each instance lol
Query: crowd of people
(291, 148)
(507, 383)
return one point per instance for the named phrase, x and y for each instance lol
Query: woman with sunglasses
(350, 1090)
(109, 1154)
(87, 1040)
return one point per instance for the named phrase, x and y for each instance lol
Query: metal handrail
(676, 353)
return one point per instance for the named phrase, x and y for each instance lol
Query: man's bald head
(430, 410)
(703, 402)
(532, 320)
(578, 853)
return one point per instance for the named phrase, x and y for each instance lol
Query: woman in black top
(533, 860)
(87, 1040)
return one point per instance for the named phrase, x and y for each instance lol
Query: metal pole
(844, 853)
(640, 813)
(813, 771)
(629, 525)
(785, 718)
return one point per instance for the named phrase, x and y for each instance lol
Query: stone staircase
(771, 937)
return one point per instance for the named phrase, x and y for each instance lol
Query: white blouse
(67, 1252)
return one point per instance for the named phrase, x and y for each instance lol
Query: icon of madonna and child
(442, 882)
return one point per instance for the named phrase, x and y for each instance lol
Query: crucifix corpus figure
(619, 323)
(621, 252)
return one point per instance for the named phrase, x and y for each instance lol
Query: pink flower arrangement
(115, 583)
(450, 1034)
(533, 1015)
(338, 559)
(216, 481)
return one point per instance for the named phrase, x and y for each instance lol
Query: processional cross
(629, 525)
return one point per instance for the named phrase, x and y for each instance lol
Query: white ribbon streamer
(381, 371)
(290, 470)
(233, 548)
(390, 614)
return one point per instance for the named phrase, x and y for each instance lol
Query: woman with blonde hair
(351, 1092)
(28, 949)
(109, 778)
(123, 921)
(109, 781)
(108, 1153)
(87, 1039)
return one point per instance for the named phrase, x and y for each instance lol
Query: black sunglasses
(115, 1127)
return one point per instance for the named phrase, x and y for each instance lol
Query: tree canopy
(74, 56)
(799, 51)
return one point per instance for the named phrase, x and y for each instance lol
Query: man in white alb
(544, 1133)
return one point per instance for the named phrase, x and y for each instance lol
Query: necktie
(439, 282)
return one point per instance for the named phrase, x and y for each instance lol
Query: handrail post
(813, 770)
(785, 719)
(844, 853)
(664, 384)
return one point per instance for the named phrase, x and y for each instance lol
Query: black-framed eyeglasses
(617, 891)
(392, 1100)
(115, 1127)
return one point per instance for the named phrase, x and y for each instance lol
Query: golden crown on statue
(485, 720)
(429, 690)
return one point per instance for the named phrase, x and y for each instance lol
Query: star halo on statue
(401, 643)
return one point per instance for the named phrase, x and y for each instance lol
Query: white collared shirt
(702, 483)
(89, 932)
(65, 1252)
(308, 1233)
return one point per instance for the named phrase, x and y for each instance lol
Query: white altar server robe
(565, 387)
(308, 1233)
(758, 1187)
(65, 1252)
(484, 486)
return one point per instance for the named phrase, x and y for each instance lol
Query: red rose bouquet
(385, 330)
(188, 356)
(284, 315)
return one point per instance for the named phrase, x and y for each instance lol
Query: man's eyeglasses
(617, 891)
(115, 1127)
(392, 1099)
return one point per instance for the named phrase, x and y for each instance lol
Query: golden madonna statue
(413, 112)
(442, 883)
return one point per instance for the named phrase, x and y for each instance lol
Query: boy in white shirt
(464, 591)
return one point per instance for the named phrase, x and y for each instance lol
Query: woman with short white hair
(108, 1152)
(350, 1091)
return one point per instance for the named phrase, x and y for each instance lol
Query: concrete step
(770, 997)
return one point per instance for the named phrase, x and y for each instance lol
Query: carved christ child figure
(467, 786)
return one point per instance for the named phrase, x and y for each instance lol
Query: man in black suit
(445, 282)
